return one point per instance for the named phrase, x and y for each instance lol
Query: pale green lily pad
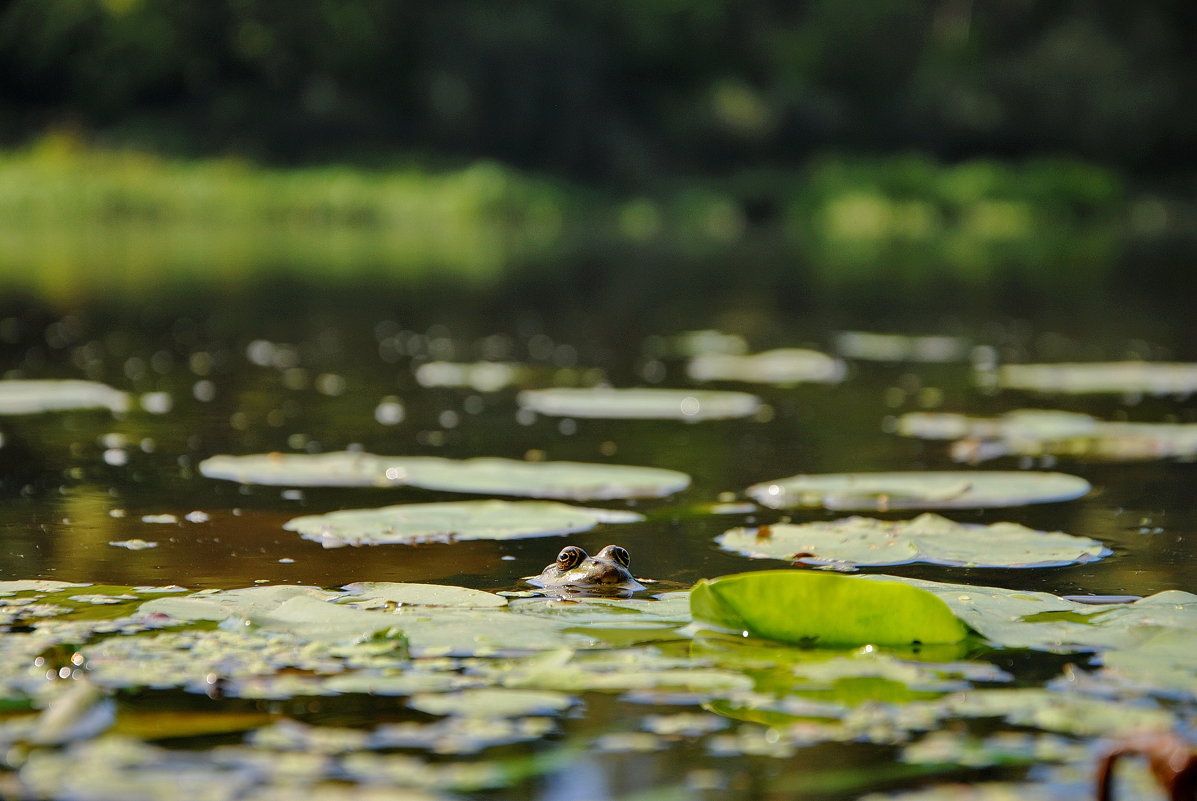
(304, 611)
(1021, 424)
(482, 376)
(1027, 619)
(858, 541)
(39, 586)
(869, 346)
(639, 403)
(780, 366)
(1084, 378)
(368, 594)
(696, 343)
(489, 702)
(415, 523)
(20, 396)
(1002, 748)
(1034, 433)
(579, 481)
(918, 490)
(801, 606)
(641, 669)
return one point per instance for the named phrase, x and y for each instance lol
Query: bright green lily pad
(579, 481)
(857, 541)
(416, 523)
(20, 396)
(918, 490)
(803, 606)
(780, 366)
(646, 404)
(1084, 378)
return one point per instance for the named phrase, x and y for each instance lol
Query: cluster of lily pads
(763, 663)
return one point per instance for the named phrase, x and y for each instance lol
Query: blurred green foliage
(77, 219)
(614, 91)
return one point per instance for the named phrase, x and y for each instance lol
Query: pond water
(309, 368)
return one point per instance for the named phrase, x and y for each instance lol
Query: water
(302, 367)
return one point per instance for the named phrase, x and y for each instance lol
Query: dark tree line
(609, 90)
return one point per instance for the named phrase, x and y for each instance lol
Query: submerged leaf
(413, 523)
(580, 481)
(802, 606)
(663, 404)
(918, 490)
(856, 541)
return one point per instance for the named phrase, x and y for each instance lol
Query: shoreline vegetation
(75, 218)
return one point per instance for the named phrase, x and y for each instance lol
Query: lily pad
(781, 366)
(492, 702)
(638, 403)
(1084, 378)
(19, 396)
(857, 541)
(1032, 432)
(579, 481)
(364, 594)
(802, 606)
(918, 490)
(415, 523)
(870, 346)
(1041, 620)
(482, 376)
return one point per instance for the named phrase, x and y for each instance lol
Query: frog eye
(570, 556)
(617, 553)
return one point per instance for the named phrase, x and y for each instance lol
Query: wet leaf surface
(917, 490)
(859, 541)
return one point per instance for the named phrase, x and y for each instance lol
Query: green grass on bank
(75, 219)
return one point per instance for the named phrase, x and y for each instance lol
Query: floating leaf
(1033, 432)
(414, 523)
(856, 541)
(801, 606)
(900, 348)
(482, 376)
(365, 594)
(1149, 378)
(657, 404)
(781, 366)
(305, 611)
(491, 703)
(1028, 619)
(19, 396)
(918, 490)
(579, 481)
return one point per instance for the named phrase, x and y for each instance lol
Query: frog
(606, 571)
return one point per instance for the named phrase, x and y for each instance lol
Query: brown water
(285, 367)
